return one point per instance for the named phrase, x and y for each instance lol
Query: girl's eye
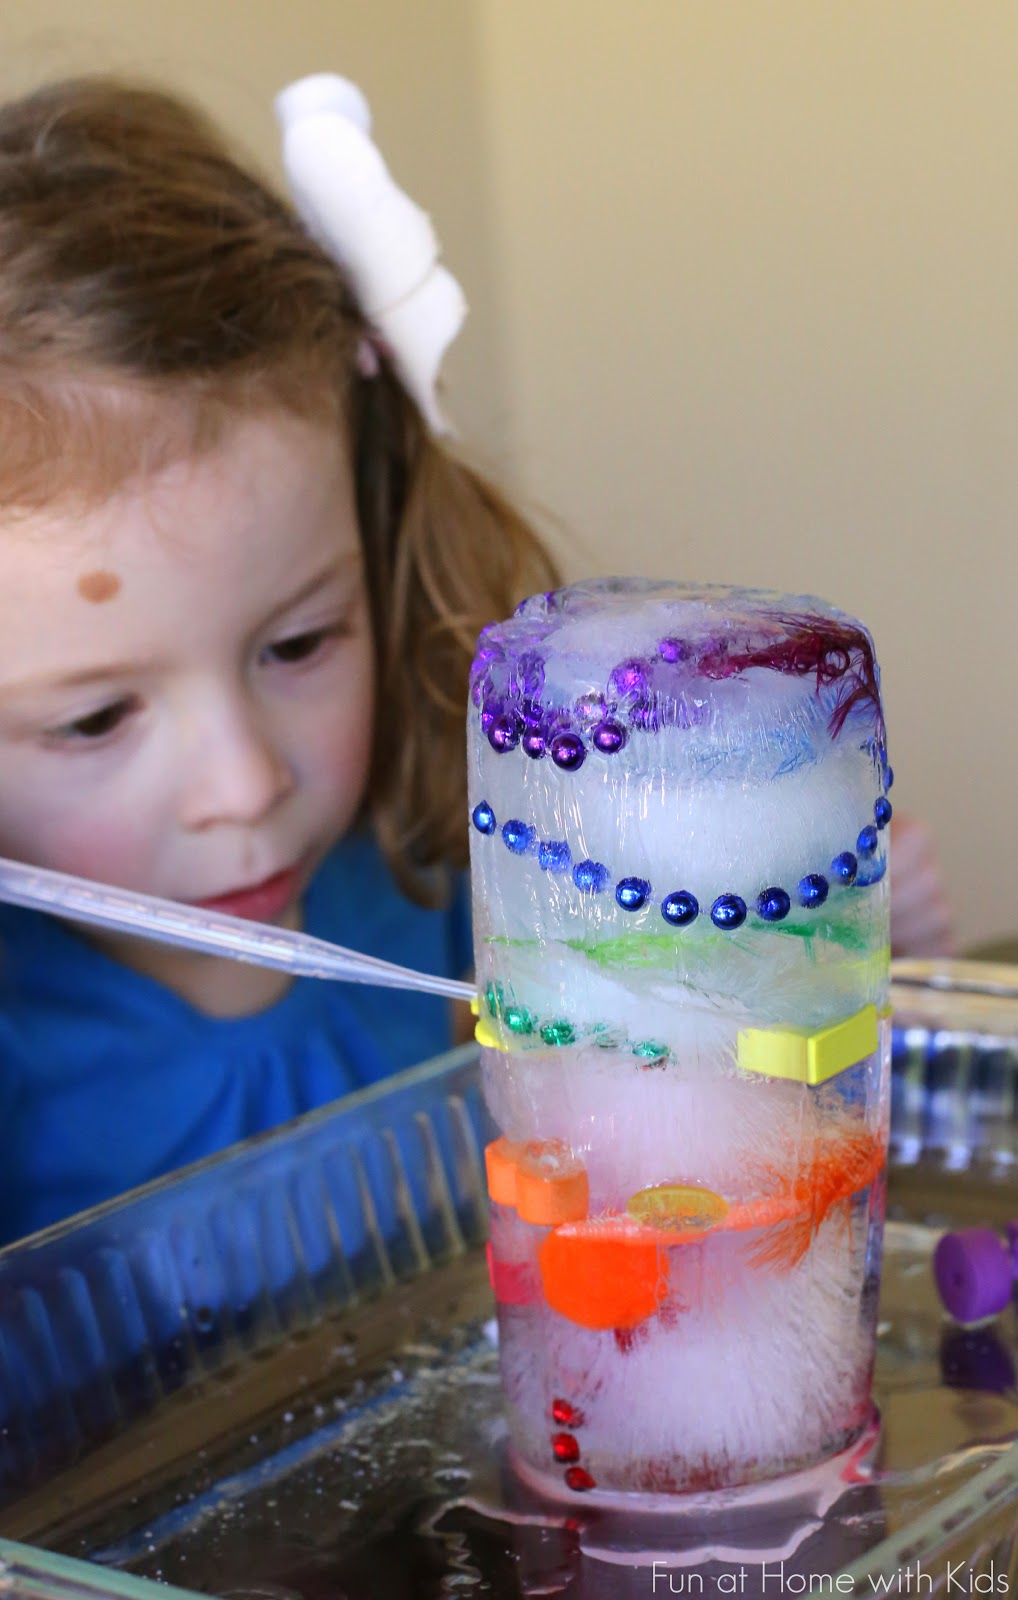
(96, 725)
(300, 646)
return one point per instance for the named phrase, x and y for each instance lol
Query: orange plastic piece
(551, 1183)
(500, 1159)
(685, 1211)
(608, 1272)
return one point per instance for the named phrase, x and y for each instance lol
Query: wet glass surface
(390, 1477)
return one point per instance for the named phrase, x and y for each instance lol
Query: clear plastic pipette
(212, 932)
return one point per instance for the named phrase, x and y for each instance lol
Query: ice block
(679, 808)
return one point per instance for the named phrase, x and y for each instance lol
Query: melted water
(403, 1487)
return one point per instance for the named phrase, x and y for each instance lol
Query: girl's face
(186, 681)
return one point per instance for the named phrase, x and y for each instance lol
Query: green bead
(494, 996)
(519, 1019)
(559, 1032)
(650, 1048)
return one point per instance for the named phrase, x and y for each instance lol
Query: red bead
(565, 1447)
(627, 1339)
(579, 1480)
(566, 1415)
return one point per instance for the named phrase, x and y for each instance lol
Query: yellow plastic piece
(485, 1035)
(808, 1057)
(475, 1007)
(680, 1206)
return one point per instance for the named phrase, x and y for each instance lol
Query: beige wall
(760, 266)
(744, 281)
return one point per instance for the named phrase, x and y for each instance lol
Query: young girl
(240, 584)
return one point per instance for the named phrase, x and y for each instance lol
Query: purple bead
(973, 1273)
(1011, 1234)
(504, 733)
(567, 751)
(609, 738)
(533, 743)
(492, 708)
(672, 650)
(629, 679)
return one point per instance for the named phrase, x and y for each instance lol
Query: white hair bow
(383, 241)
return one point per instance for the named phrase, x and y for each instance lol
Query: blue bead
(845, 867)
(483, 818)
(728, 912)
(882, 811)
(888, 777)
(813, 890)
(632, 894)
(867, 841)
(773, 904)
(591, 876)
(872, 874)
(554, 855)
(680, 908)
(518, 836)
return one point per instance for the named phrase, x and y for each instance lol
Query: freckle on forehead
(98, 586)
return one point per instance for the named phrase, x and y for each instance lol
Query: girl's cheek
(342, 752)
(93, 842)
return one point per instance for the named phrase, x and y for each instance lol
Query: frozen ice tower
(679, 810)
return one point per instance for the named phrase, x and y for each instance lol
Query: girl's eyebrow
(336, 568)
(69, 680)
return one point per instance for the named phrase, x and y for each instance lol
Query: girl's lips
(260, 903)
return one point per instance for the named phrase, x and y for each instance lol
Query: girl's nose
(238, 774)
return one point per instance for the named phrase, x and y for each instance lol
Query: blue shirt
(108, 1079)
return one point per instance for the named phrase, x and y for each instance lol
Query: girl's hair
(150, 286)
